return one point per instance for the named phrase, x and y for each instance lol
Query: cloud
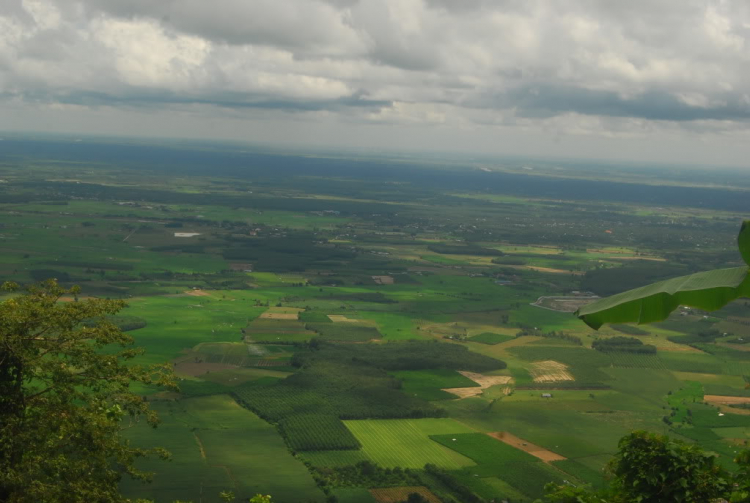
(549, 101)
(601, 68)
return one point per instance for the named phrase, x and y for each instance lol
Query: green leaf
(708, 290)
(743, 241)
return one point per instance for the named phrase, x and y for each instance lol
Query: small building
(546, 395)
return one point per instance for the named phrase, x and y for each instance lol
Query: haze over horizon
(657, 81)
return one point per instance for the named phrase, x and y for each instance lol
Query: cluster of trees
(620, 344)
(526, 330)
(317, 432)
(651, 468)
(468, 249)
(64, 397)
(364, 474)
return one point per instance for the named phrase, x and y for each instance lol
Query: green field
(406, 442)
(490, 338)
(217, 445)
(423, 279)
(497, 459)
(428, 384)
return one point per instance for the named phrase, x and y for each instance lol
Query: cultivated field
(550, 371)
(406, 442)
(306, 281)
(519, 443)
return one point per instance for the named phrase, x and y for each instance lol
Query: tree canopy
(65, 377)
(651, 468)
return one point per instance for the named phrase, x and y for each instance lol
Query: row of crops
(317, 432)
(345, 332)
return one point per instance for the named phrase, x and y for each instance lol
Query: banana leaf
(708, 290)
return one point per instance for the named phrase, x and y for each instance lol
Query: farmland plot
(483, 381)
(550, 371)
(317, 432)
(519, 443)
(497, 459)
(406, 442)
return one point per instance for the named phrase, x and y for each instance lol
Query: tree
(708, 290)
(651, 468)
(654, 468)
(65, 397)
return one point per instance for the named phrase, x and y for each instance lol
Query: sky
(642, 80)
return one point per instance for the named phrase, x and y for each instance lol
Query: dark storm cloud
(139, 98)
(548, 101)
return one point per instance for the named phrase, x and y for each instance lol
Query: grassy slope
(218, 445)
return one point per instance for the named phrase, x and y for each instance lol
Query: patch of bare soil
(726, 400)
(550, 371)
(194, 369)
(519, 443)
(340, 318)
(464, 392)
(197, 293)
(563, 304)
(383, 280)
(483, 381)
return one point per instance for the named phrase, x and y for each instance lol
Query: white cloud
(145, 55)
(603, 69)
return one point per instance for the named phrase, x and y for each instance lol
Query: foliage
(364, 474)
(464, 250)
(653, 468)
(344, 332)
(317, 432)
(623, 345)
(550, 335)
(344, 390)
(702, 336)
(490, 338)
(705, 290)
(64, 396)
